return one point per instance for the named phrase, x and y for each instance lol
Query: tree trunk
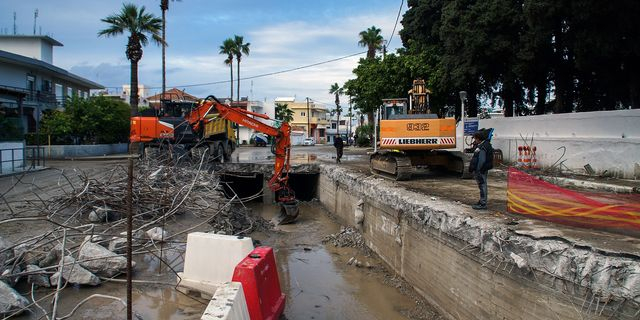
(133, 95)
(371, 120)
(338, 126)
(238, 74)
(231, 72)
(507, 99)
(164, 46)
(541, 87)
(634, 83)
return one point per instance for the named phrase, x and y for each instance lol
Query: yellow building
(310, 116)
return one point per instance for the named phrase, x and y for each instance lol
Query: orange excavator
(149, 129)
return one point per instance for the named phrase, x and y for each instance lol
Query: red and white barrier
(258, 274)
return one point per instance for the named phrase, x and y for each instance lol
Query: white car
(308, 142)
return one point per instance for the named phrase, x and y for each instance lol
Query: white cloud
(277, 44)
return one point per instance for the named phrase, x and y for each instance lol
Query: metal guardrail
(25, 158)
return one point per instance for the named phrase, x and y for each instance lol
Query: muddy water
(315, 277)
(317, 280)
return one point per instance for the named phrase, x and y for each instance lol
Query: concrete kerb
(589, 271)
(29, 170)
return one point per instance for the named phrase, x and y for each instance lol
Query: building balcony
(29, 95)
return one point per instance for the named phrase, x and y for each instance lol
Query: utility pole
(308, 120)
(14, 23)
(350, 119)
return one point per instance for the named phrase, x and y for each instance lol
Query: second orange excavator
(152, 129)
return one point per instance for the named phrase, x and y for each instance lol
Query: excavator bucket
(288, 213)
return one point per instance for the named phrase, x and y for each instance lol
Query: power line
(260, 75)
(394, 26)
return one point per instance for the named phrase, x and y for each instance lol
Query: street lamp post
(308, 120)
(463, 98)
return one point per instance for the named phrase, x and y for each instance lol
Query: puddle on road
(317, 280)
(315, 277)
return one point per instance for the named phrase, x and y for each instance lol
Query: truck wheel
(142, 150)
(228, 150)
(220, 156)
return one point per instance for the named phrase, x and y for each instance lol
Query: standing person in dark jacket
(339, 144)
(481, 162)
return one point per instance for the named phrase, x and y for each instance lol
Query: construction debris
(10, 300)
(239, 220)
(74, 273)
(86, 209)
(347, 237)
(101, 261)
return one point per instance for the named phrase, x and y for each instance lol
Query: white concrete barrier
(210, 260)
(228, 303)
(606, 140)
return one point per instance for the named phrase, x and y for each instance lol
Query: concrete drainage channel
(470, 265)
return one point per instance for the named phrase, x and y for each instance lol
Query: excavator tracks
(392, 165)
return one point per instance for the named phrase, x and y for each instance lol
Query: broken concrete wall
(592, 138)
(475, 266)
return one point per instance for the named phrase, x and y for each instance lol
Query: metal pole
(38, 133)
(129, 240)
(308, 120)
(375, 129)
(463, 97)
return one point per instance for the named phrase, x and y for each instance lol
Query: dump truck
(180, 123)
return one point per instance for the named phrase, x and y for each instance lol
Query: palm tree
(138, 24)
(283, 112)
(371, 39)
(337, 90)
(228, 48)
(240, 48)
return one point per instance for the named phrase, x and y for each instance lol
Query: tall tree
(228, 48)
(337, 91)
(138, 24)
(372, 40)
(283, 112)
(240, 49)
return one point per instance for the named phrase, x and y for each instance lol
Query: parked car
(308, 142)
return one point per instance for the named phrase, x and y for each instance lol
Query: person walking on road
(481, 163)
(339, 144)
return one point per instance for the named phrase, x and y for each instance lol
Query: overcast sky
(283, 34)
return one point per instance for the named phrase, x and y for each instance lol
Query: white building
(346, 127)
(31, 83)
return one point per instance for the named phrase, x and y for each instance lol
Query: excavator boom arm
(279, 180)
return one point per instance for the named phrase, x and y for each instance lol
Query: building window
(321, 132)
(69, 92)
(342, 122)
(46, 86)
(302, 114)
(31, 83)
(333, 125)
(59, 93)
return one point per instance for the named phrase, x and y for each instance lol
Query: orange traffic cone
(526, 159)
(519, 163)
(534, 160)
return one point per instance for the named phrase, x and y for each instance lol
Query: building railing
(21, 158)
(32, 95)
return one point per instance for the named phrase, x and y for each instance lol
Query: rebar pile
(181, 195)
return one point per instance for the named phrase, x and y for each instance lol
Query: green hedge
(97, 120)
